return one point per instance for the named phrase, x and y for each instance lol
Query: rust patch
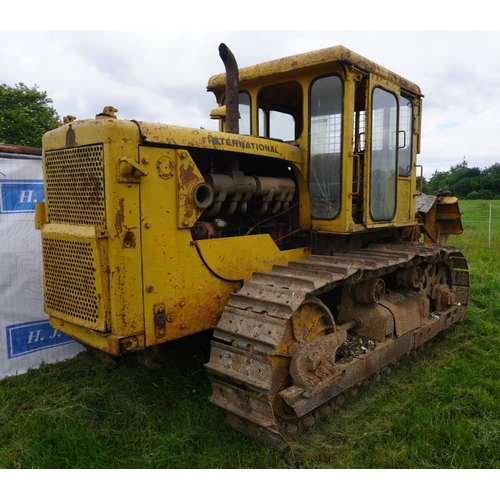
(120, 216)
(27, 150)
(188, 179)
(187, 174)
(165, 167)
(70, 137)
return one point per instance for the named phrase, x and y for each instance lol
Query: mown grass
(440, 410)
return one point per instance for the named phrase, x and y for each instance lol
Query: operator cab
(356, 123)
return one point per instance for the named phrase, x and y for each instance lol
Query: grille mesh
(70, 279)
(75, 185)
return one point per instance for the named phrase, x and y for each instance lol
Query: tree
(25, 115)
(464, 182)
(439, 180)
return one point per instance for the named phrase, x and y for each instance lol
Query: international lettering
(238, 143)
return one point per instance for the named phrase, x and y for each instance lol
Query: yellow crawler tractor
(297, 232)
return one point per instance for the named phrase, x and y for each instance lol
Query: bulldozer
(298, 233)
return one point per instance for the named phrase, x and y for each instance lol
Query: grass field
(440, 410)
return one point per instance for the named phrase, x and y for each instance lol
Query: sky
(161, 76)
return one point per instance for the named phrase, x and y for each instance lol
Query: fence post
(489, 230)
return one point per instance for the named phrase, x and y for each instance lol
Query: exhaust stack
(232, 89)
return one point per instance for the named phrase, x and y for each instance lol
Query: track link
(278, 356)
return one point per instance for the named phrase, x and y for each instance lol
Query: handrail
(358, 161)
(421, 180)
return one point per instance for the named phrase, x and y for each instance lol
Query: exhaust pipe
(232, 89)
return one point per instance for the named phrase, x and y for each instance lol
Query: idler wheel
(410, 277)
(370, 292)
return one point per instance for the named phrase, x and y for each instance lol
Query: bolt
(129, 344)
(160, 319)
(145, 160)
(147, 225)
(182, 303)
(149, 288)
(311, 363)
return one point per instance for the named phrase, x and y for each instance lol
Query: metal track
(262, 364)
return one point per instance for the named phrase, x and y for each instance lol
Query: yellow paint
(116, 259)
(151, 282)
(310, 63)
(40, 215)
(406, 200)
(219, 141)
(188, 178)
(224, 256)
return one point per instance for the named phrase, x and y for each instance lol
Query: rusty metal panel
(377, 321)
(459, 263)
(261, 306)
(263, 330)
(461, 278)
(242, 403)
(242, 365)
(408, 313)
(355, 371)
(13, 149)
(429, 329)
(462, 296)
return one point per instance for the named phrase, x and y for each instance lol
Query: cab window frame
(325, 160)
(385, 141)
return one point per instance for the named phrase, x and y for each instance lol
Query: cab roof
(317, 61)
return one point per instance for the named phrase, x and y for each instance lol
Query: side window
(244, 107)
(281, 126)
(280, 111)
(276, 125)
(325, 149)
(405, 125)
(263, 123)
(245, 117)
(384, 146)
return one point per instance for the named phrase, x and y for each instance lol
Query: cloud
(161, 76)
(449, 125)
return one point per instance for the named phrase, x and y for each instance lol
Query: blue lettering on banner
(26, 338)
(20, 196)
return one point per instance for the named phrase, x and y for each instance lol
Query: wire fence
(483, 217)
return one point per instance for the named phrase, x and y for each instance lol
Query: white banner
(26, 338)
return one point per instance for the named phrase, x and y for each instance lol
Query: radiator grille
(71, 282)
(75, 185)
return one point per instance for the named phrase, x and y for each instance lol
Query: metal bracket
(160, 319)
(130, 170)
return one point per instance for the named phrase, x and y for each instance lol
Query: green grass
(440, 410)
